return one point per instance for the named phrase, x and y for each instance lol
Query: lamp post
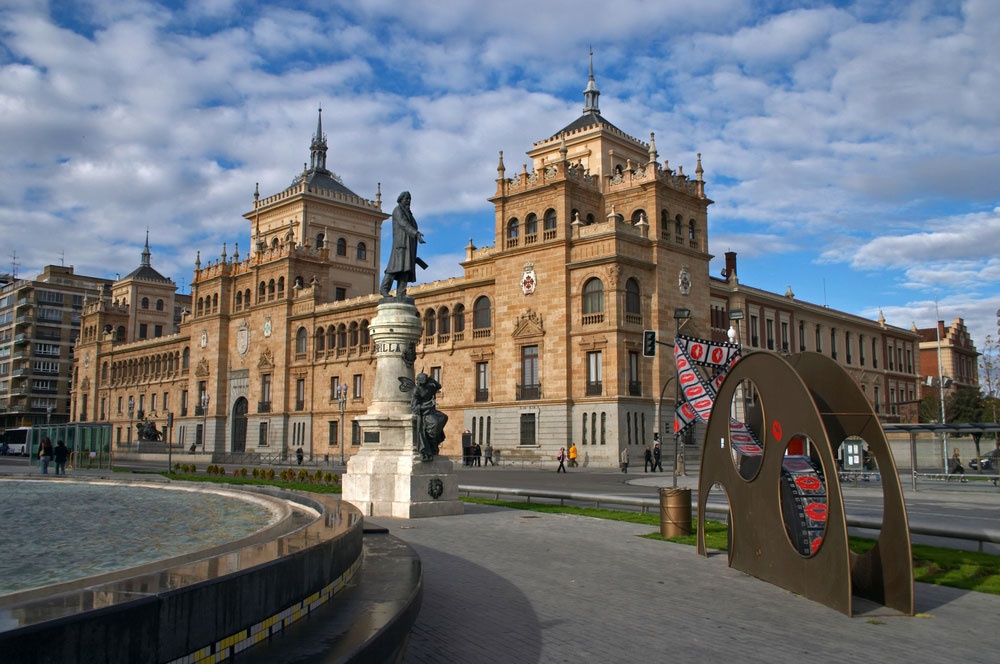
(342, 402)
(680, 314)
(204, 414)
(131, 412)
(48, 418)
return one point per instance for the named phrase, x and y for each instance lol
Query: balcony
(200, 411)
(634, 388)
(300, 404)
(529, 392)
(482, 395)
(595, 389)
(263, 406)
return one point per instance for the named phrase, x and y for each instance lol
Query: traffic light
(649, 343)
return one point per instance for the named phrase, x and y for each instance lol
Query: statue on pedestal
(430, 421)
(403, 260)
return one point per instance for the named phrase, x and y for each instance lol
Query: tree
(964, 405)
(989, 367)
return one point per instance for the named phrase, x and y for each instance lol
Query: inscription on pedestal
(372, 436)
(389, 347)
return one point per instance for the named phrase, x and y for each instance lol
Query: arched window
(281, 286)
(186, 359)
(550, 224)
(320, 339)
(104, 372)
(444, 321)
(159, 304)
(638, 216)
(678, 226)
(239, 300)
(200, 308)
(530, 226)
(215, 303)
(593, 296)
(590, 218)
(331, 340)
(481, 314)
(120, 333)
(366, 337)
(320, 238)
(341, 336)
(301, 341)
(459, 318)
(261, 291)
(513, 232)
(145, 303)
(274, 243)
(341, 247)
(633, 303)
(362, 251)
(270, 289)
(352, 335)
(691, 230)
(430, 323)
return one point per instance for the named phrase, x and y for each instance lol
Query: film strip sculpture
(770, 444)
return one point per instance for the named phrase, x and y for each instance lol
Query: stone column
(386, 477)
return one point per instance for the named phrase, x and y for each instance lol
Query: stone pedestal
(386, 477)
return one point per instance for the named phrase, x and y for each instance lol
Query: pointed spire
(318, 146)
(591, 94)
(501, 169)
(145, 252)
(653, 156)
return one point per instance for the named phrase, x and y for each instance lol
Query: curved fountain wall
(199, 607)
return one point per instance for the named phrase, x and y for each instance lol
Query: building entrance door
(239, 440)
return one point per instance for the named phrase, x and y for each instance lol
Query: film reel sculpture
(770, 445)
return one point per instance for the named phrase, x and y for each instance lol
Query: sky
(851, 149)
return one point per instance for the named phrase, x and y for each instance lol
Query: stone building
(537, 344)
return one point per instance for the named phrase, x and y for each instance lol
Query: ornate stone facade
(537, 344)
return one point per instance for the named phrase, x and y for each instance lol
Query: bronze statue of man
(403, 261)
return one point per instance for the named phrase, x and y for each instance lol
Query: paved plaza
(507, 585)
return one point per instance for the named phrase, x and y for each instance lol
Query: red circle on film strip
(776, 430)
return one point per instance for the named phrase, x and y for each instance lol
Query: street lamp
(342, 402)
(131, 412)
(48, 418)
(204, 413)
(680, 314)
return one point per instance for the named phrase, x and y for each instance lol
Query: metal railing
(720, 510)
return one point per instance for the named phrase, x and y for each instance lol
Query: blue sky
(852, 148)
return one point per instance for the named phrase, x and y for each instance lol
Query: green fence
(89, 443)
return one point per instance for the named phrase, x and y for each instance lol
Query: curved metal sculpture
(787, 522)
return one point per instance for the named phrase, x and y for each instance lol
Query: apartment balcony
(529, 392)
(300, 404)
(200, 411)
(263, 406)
(595, 389)
(634, 388)
(482, 395)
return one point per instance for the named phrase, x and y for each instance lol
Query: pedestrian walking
(624, 459)
(955, 466)
(647, 460)
(657, 458)
(299, 455)
(562, 460)
(61, 455)
(572, 456)
(44, 454)
(488, 459)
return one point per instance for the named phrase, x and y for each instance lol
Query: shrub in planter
(270, 473)
(243, 472)
(303, 475)
(177, 467)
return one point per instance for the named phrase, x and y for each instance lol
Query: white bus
(16, 442)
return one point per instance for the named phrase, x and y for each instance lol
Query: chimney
(730, 271)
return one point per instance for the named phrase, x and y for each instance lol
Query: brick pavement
(512, 586)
